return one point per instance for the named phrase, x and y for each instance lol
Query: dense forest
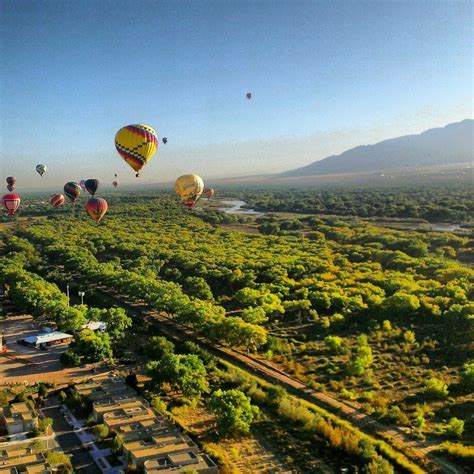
(379, 317)
(433, 204)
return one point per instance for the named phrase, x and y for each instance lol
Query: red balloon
(11, 202)
(57, 200)
(96, 208)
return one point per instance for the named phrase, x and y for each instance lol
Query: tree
(70, 359)
(117, 444)
(44, 424)
(334, 344)
(401, 304)
(467, 375)
(101, 431)
(184, 371)
(198, 287)
(158, 347)
(59, 459)
(379, 465)
(117, 322)
(363, 359)
(235, 414)
(435, 388)
(93, 346)
(454, 428)
(409, 337)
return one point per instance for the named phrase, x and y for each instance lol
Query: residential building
(137, 452)
(19, 418)
(185, 461)
(22, 461)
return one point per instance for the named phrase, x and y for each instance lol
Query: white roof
(95, 325)
(46, 337)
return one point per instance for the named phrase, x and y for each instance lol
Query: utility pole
(81, 294)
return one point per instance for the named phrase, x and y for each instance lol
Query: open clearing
(27, 365)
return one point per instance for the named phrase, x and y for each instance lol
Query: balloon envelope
(96, 208)
(115, 183)
(164, 140)
(91, 185)
(209, 192)
(136, 144)
(10, 180)
(82, 184)
(72, 191)
(11, 202)
(249, 95)
(57, 200)
(41, 169)
(11, 187)
(189, 188)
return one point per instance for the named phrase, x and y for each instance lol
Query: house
(47, 339)
(104, 387)
(145, 428)
(137, 452)
(19, 418)
(181, 462)
(21, 460)
(129, 406)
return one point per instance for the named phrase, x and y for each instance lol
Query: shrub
(435, 388)
(70, 359)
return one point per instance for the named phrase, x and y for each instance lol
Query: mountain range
(451, 144)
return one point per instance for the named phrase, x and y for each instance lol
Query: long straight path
(418, 451)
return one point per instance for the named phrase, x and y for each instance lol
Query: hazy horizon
(325, 77)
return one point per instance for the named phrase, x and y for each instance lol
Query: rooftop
(180, 462)
(19, 411)
(46, 337)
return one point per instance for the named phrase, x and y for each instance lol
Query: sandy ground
(27, 365)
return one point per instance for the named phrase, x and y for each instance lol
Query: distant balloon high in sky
(164, 140)
(249, 95)
(136, 144)
(189, 188)
(41, 169)
(96, 208)
(72, 191)
(91, 185)
(57, 200)
(11, 202)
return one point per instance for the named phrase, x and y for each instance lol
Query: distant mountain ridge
(451, 144)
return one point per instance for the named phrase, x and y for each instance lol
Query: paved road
(419, 451)
(69, 441)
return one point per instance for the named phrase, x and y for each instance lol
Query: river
(236, 207)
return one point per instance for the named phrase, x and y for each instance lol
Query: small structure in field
(47, 339)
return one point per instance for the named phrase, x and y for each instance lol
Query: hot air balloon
(209, 192)
(11, 202)
(82, 184)
(115, 183)
(96, 208)
(91, 185)
(249, 95)
(11, 180)
(41, 169)
(164, 140)
(115, 175)
(72, 191)
(136, 144)
(189, 188)
(57, 200)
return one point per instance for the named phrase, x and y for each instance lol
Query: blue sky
(325, 76)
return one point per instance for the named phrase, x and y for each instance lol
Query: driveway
(70, 442)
